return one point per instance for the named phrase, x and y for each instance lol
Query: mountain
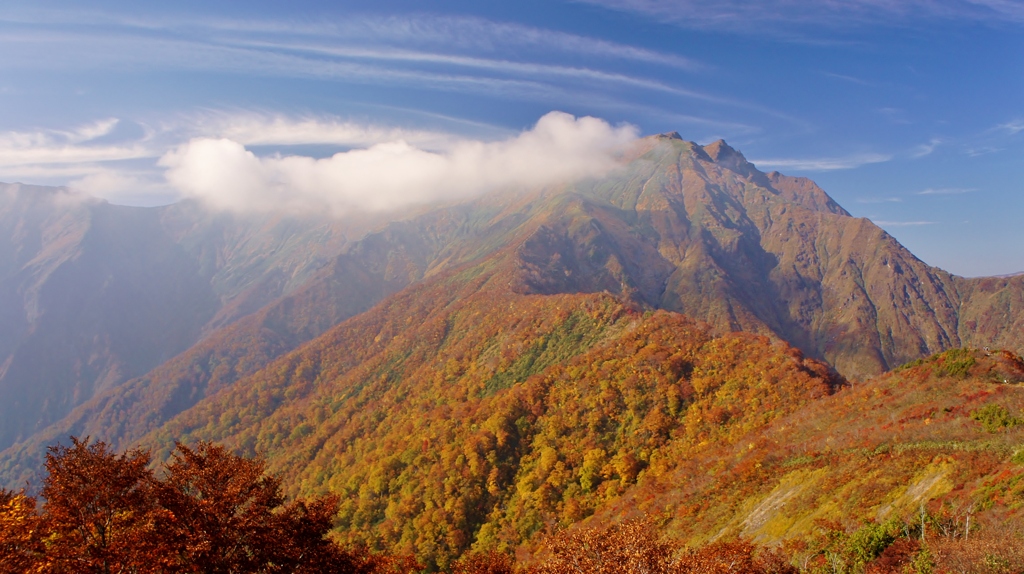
(79, 286)
(472, 374)
(93, 295)
(343, 286)
(459, 413)
(768, 253)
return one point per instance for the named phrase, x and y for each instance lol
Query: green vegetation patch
(869, 541)
(956, 363)
(573, 336)
(1018, 457)
(994, 418)
(799, 460)
(910, 365)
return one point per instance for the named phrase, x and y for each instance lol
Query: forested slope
(460, 413)
(943, 437)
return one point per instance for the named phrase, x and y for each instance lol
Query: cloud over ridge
(559, 148)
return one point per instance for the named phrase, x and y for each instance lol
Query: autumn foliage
(211, 512)
(635, 547)
(463, 418)
(214, 512)
(469, 432)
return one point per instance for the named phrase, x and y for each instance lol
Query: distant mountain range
(346, 349)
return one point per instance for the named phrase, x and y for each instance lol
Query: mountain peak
(720, 151)
(669, 136)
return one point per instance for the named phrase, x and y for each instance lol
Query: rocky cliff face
(701, 231)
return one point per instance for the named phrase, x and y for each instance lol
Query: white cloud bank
(560, 148)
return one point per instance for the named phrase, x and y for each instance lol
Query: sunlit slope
(946, 433)
(459, 413)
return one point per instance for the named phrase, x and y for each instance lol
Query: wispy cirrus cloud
(885, 223)
(457, 34)
(947, 190)
(879, 200)
(848, 79)
(1013, 127)
(501, 66)
(467, 56)
(251, 128)
(823, 163)
(91, 157)
(448, 54)
(125, 52)
(925, 149)
(774, 16)
(451, 52)
(476, 35)
(75, 145)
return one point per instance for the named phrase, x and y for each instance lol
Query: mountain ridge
(683, 227)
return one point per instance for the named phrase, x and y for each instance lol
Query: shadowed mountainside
(93, 294)
(90, 296)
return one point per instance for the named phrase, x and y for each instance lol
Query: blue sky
(909, 113)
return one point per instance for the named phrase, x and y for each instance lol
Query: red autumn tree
(213, 512)
(221, 510)
(100, 513)
(738, 556)
(226, 515)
